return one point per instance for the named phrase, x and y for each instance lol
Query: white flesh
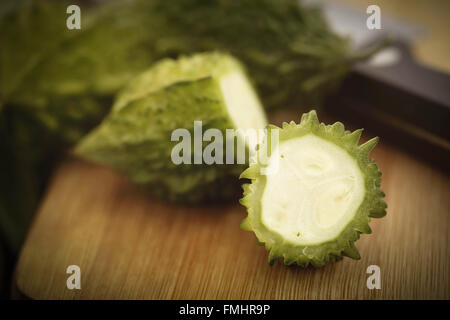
(242, 102)
(244, 108)
(314, 194)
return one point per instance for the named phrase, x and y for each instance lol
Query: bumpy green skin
(136, 138)
(343, 245)
(168, 71)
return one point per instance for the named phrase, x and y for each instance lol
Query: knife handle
(406, 102)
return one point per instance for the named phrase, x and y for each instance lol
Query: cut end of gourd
(313, 208)
(315, 193)
(243, 104)
(244, 108)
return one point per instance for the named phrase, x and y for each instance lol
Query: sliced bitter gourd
(314, 206)
(135, 138)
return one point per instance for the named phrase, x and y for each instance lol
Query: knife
(393, 94)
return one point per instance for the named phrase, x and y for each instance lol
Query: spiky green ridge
(343, 245)
(135, 138)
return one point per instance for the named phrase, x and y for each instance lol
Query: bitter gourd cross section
(320, 198)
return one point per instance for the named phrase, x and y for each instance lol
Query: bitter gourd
(313, 208)
(135, 137)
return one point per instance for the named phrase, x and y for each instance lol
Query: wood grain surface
(130, 246)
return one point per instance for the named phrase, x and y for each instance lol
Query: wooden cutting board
(131, 246)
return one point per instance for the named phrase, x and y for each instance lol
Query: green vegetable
(65, 78)
(291, 54)
(135, 138)
(313, 208)
(37, 118)
(56, 84)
